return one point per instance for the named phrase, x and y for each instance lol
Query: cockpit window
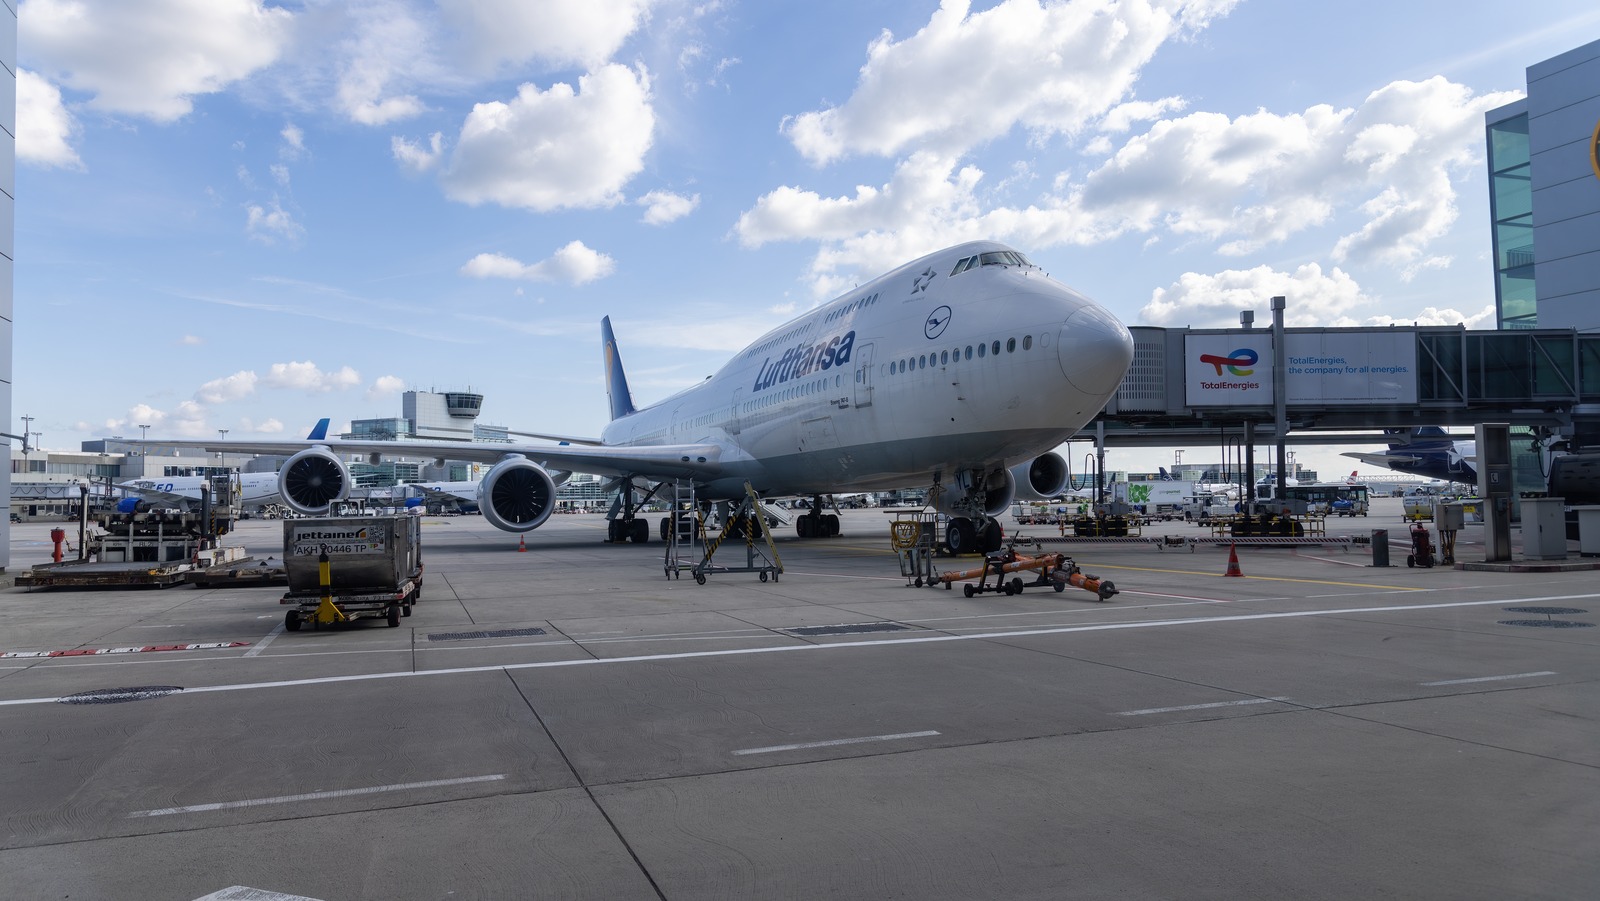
(991, 258)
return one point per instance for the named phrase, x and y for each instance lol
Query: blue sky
(245, 215)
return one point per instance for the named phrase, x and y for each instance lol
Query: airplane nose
(1095, 351)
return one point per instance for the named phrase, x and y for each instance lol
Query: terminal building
(1544, 196)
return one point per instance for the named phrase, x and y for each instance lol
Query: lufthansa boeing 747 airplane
(961, 370)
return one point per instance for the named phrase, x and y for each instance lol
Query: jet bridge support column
(1100, 460)
(1250, 463)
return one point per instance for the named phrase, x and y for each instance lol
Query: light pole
(143, 451)
(27, 423)
(221, 455)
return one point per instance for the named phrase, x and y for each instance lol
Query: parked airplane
(960, 370)
(250, 489)
(1426, 451)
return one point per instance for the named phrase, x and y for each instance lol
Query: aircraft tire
(960, 536)
(802, 526)
(641, 531)
(666, 528)
(831, 525)
(990, 538)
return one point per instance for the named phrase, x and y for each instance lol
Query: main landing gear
(816, 524)
(625, 524)
(967, 536)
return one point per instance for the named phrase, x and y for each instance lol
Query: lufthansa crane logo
(935, 325)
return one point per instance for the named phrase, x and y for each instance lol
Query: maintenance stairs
(691, 549)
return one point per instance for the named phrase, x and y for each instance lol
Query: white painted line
(314, 796)
(835, 742)
(262, 644)
(1210, 706)
(246, 893)
(1490, 678)
(836, 646)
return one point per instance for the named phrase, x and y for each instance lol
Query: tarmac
(567, 722)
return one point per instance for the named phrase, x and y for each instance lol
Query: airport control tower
(441, 416)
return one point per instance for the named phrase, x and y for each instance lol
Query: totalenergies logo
(1238, 362)
(1594, 150)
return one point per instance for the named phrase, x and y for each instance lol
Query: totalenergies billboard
(1333, 368)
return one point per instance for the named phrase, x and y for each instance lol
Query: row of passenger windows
(784, 338)
(956, 355)
(802, 389)
(850, 307)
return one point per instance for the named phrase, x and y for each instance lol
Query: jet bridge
(1339, 380)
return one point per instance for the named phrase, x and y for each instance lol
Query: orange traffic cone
(1233, 562)
(522, 545)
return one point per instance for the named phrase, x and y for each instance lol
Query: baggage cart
(343, 568)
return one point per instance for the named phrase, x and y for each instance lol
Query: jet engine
(1042, 478)
(517, 495)
(313, 479)
(999, 488)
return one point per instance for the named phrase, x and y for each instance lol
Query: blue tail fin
(318, 431)
(616, 382)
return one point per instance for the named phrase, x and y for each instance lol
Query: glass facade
(1511, 205)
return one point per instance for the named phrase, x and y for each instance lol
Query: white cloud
(1313, 298)
(575, 264)
(265, 427)
(559, 33)
(555, 149)
(385, 386)
(1255, 180)
(44, 126)
(1484, 318)
(388, 40)
(270, 223)
(412, 157)
(662, 207)
(965, 79)
(234, 387)
(151, 58)
(294, 142)
(308, 378)
(280, 174)
(1214, 301)
(191, 340)
(1244, 183)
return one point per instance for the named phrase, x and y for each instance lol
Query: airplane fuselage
(967, 357)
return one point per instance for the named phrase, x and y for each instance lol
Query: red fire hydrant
(58, 536)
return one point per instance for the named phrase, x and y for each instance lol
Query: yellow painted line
(1191, 572)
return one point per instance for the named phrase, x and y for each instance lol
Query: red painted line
(91, 652)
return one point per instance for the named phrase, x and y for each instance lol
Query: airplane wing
(1383, 459)
(559, 439)
(660, 462)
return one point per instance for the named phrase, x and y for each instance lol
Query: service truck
(1163, 499)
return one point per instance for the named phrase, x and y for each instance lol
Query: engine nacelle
(999, 490)
(1042, 478)
(517, 495)
(312, 480)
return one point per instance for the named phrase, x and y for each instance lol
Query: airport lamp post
(27, 423)
(1280, 389)
(222, 455)
(143, 451)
